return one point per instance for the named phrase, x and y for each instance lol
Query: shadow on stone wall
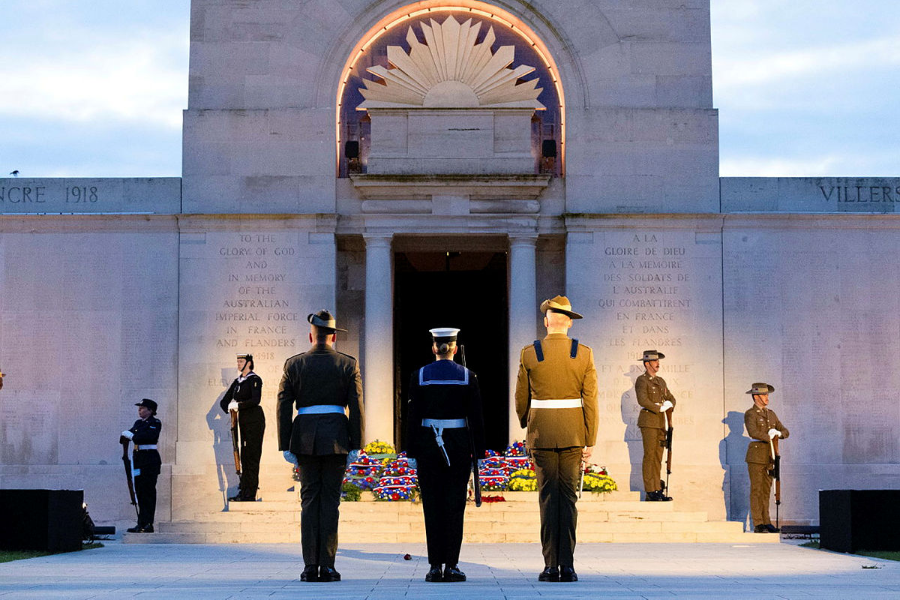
(220, 425)
(736, 482)
(632, 437)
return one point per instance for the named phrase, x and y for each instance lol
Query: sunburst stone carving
(451, 70)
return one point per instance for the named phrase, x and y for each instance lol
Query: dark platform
(41, 520)
(851, 520)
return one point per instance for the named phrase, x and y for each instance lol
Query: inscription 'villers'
(861, 193)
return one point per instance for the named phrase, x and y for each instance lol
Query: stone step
(617, 517)
(293, 537)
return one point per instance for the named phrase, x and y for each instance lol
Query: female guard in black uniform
(445, 429)
(244, 396)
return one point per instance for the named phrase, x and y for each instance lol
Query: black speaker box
(851, 520)
(548, 149)
(41, 520)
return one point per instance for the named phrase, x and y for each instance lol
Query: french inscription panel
(88, 195)
(244, 292)
(645, 289)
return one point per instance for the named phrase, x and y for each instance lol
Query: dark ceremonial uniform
(556, 399)
(759, 460)
(318, 390)
(247, 391)
(445, 394)
(651, 392)
(146, 464)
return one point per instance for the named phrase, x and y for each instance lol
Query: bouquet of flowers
(493, 480)
(379, 447)
(523, 480)
(399, 467)
(350, 492)
(597, 480)
(393, 489)
(494, 463)
(516, 449)
(364, 466)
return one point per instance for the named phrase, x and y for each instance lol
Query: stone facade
(116, 290)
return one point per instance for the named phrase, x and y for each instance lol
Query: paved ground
(496, 571)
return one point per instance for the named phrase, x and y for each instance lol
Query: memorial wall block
(653, 283)
(247, 285)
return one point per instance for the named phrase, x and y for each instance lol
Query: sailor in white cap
(446, 429)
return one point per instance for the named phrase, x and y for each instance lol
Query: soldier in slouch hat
(556, 400)
(320, 420)
(763, 426)
(655, 399)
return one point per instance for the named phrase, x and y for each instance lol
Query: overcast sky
(95, 88)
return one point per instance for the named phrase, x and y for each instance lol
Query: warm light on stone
(451, 71)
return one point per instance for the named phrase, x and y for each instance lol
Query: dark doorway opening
(467, 290)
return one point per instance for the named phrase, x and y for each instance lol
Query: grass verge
(11, 555)
(883, 554)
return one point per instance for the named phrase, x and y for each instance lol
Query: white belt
(144, 447)
(321, 409)
(563, 403)
(444, 423)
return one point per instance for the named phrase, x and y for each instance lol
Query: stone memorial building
(419, 164)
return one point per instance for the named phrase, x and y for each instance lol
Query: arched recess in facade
(391, 30)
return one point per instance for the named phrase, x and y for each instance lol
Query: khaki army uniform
(759, 460)
(556, 400)
(651, 393)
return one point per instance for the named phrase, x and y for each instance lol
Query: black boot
(567, 574)
(310, 573)
(452, 573)
(549, 574)
(434, 574)
(328, 574)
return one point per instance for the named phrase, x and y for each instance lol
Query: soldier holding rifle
(243, 398)
(446, 430)
(145, 435)
(763, 426)
(556, 399)
(657, 403)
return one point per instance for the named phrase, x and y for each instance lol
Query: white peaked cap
(444, 332)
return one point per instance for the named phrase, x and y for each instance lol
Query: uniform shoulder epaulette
(350, 356)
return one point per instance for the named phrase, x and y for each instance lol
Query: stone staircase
(617, 517)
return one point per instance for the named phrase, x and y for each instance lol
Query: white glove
(290, 457)
(666, 406)
(127, 434)
(774, 433)
(233, 405)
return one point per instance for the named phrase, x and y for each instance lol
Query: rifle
(669, 429)
(128, 472)
(235, 445)
(476, 481)
(775, 473)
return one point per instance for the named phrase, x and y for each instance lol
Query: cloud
(869, 55)
(125, 80)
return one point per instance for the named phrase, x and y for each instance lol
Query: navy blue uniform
(444, 390)
(247, 392)
(146, 464)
